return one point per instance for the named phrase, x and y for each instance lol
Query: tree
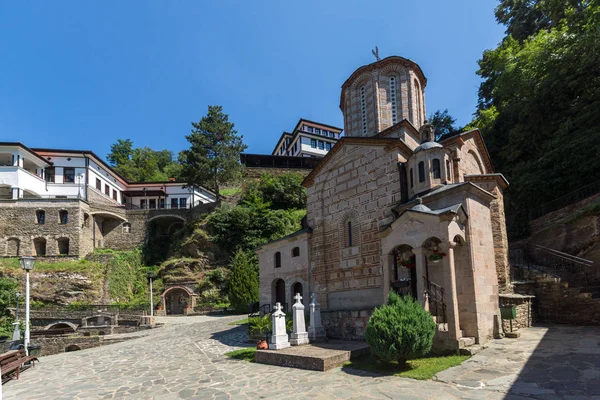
(214, 154)
(8, 290)
(143, 164)
(283, 192)
(243, 282)
(400, 330)
(443, 123)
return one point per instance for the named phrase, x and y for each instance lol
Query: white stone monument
(316, 332)
(279, 338)
(299, 334)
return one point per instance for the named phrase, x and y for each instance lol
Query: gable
(477, 153)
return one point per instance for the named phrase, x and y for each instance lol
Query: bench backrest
(11, 356)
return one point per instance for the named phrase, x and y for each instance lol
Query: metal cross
(376, 53)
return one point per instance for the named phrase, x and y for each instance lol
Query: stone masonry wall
(524, 311)
(255, 173)
(346, 325)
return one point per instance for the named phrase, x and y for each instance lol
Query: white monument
(316, 332)
(299, 334)
(279, 338)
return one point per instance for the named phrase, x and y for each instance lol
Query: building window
(317, 131)
(143, 204)
(69, 175)
(349, 233)
(98, 184)
(114, 195)
(50, 174)
(63, 246)
(174, 203)
(126, 227)
(435, 168)
(278, 260)
(310, 129)
(152, 203)
(296, 252)
(63, 217)
(363, 108)
(393, 99)
(106, 189)
(40, 216)
(448, 171)
(412, 182)
(313, 143)
(327, 146)
(321, 145)
(421, 171)
(183, 202)
(161, 203)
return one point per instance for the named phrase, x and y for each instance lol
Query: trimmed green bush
(400, 330)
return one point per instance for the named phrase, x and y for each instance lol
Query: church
(389, 208)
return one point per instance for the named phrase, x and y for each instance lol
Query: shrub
(400, 330)
(260, 326)
(243, 283)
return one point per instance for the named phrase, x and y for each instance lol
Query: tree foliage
(8, 290)
(142, 164)
(281, 192)
(539, 101)
(444, 123)
(400, 330)
(214, 154)
(243, 282)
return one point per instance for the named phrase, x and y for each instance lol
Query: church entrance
(279, 292)
(296, 288)
(404, 274)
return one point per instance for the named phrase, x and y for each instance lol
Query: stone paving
(185, 359)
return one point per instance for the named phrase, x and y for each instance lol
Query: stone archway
(176, 299)
(61, 325)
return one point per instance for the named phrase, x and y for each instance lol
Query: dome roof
(427, 146)
(420, 207)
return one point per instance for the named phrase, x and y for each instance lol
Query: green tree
(214, 154)
(143, 164)
(443, 123)
(243, 282)
(8, 290)
(283, 192)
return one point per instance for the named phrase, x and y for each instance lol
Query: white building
(308, 139)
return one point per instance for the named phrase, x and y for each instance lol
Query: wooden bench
(13, 360)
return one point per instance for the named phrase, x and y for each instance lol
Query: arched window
(393, 99)
(40, 216)
(296, 252)
(412, 182)
(63, 217)
(435, 168)
(421, 171)
(39, 246)
(349, 234)
(448, 171)
(419, 102)
(126, 227)
(278, 260)
(63, 246)
(363, 108)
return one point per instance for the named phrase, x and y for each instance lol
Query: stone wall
(524, 311)
(255, 173)
(59, 344)
(346, 324)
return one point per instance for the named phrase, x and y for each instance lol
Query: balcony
(16, 177)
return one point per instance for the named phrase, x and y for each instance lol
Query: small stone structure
(178, 298)
(299, 334)
(316, 332)
(524, 311)
(279, 338)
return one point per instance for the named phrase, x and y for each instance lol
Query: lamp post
(151, 275)
(27, 264)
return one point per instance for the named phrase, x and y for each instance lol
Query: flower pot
(437, 261)
(262, 345)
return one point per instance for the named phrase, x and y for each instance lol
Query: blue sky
(82, 74)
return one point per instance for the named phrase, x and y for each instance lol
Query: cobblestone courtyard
(185, 359)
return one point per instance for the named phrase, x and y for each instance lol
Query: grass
(420, 368)
(242, 354)
(230, 191)
(244, 321)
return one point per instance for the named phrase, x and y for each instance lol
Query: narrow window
(174, 203)
(421, 171)
(435, 166)
(126, 227)
(296, 252)
(363, 108)
(114, 195)
(278, 260)
(40, 217)
(161, 203)
(411, 178)
(317, 131)
(152, 203)
(321, 145)
(393, 99)
(63, 216)
(313, 143)
(50, 175)
(143, 204)
(183, 202)
(448, 171)
(98, 184)
(349, 233)
(106, 189)
(69, 175)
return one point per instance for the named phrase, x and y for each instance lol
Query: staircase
(567, 288)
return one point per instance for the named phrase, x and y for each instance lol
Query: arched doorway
(278, 292)
(404, 271)
(296, 288)
(72, 347)
(39, 245)
(177, 299)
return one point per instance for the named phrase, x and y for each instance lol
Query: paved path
(185, 360)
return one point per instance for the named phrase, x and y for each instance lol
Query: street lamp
(151, 275)
(27, 264)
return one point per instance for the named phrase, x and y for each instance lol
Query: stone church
(390, 208)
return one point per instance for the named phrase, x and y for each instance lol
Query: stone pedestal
(279, 338)
(316, 332)
(299, 334)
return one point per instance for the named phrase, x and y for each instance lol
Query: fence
(566, 200)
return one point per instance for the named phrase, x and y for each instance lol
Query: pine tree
(243, 284)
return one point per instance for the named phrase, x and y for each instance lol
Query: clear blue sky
(82, 74)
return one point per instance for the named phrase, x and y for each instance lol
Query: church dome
(427, 146)
(421, 207)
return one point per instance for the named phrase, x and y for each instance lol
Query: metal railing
(566, 200)
(437, 303)
(578, 271)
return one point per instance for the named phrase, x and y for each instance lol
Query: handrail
(567, 256)
(566, 200)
